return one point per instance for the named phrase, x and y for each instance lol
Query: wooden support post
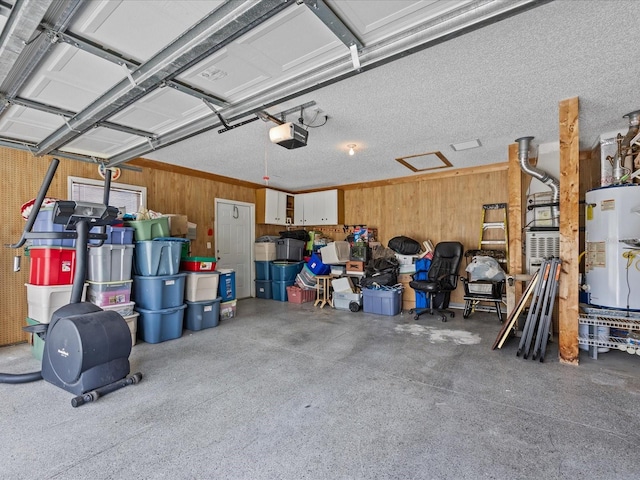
(569, 222)
(515, 227)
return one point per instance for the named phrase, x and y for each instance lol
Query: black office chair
(442, 278)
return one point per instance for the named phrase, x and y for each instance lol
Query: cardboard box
(355, 266)
(408, 293)
(408, 304)
(178, 224)
(404, 278)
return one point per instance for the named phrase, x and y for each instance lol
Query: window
(128, 198)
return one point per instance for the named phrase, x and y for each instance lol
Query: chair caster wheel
(452, 315)
(416, 317)
(465, 315)
(411, 311)
(444, 319)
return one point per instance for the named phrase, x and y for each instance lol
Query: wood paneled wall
(169, 190)
(437, 206)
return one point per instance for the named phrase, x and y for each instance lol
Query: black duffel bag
(385, 278)
(295, 234)
(404, 245)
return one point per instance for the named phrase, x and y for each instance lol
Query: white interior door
(234, 237)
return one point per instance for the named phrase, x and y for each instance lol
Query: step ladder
(486, 226)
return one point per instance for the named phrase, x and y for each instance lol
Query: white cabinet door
(327, 207)
(317, 208)
(275, 207)
(298, 209)
(312, 208)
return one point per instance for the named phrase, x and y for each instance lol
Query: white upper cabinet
(274, 207)
(319, 208)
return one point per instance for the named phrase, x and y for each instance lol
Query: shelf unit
(598, 317)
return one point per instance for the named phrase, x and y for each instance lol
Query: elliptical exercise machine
(86, 349)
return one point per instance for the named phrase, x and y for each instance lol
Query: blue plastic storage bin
(227, 285)
(279, 290)
(44, 223)
(157, 258)
(204, 314)
(317, 267)
(263, 270)
(382, 302)
(285, 271)
(155, 326)
(156, 293)
(263, 289)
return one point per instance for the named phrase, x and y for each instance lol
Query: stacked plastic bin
(264, 254)
(51, 272)
(201, 292)
(109, 275)
(227, 293)
(158, 289)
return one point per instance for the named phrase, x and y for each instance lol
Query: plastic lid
(198, 259)
(171, 239)
(225, 270)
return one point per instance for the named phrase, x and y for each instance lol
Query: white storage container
(405, 259)
(335, 252)
(264, 251)
(342, 300)
(201, 286)
(110, 263)
(43, 300)
(132, 323)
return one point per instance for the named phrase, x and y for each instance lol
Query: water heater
(612, 244)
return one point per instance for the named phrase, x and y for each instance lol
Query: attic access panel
(423, 162)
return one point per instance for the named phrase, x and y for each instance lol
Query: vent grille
(540, 245)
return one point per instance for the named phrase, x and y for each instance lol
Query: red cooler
(52, 265)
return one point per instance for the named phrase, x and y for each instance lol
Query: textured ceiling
(495, 83)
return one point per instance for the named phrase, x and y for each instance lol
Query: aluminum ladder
(494, 225)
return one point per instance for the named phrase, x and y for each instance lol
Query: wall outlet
(208, 245)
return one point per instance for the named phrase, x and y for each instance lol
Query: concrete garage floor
(289, 391)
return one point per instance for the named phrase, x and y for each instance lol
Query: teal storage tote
(155, 326)
(263, 289)
(227, 285)
(285, 271)
(382, 302)
(263, 270)
(279, 290)
(200, 315)
(157, 293)
(157, 258)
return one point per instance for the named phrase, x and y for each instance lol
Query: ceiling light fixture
(351, 147)
(466, 145)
